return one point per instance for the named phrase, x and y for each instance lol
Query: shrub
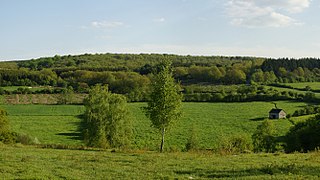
(236, 144)
(26, 139)
(6, 136)
(264, 139)
(193, 142)
(304, 136)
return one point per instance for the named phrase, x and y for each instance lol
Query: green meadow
(212, 123)
(18, 162)
(313, 85)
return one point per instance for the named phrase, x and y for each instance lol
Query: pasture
(312, 85)
(212, 123)
(18, 162)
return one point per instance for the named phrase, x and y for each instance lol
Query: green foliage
(263, 138)
(164, 106)
(67, 96)
(38, 163)
(310, 109)
(6, 136)
(236, 144)
(129, 74)
(106, 120)
(193, 140)
(58, 124)
(304, 136)
(27, 139)
(235, 76)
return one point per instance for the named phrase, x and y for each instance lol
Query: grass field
(35, 163)
(212, 122)
(313, 85)
(59, 124)
(33, 89)
(292, 90)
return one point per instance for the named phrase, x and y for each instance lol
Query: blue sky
(265, 28)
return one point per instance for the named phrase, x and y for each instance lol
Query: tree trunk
(162, 141)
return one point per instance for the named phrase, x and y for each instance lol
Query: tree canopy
(106, 120)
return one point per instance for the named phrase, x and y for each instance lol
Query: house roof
(275, 110)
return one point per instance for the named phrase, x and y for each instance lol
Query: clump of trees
(304, 136)
(306, 111)
(106, 121)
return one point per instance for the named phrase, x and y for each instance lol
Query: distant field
(35, 163)
(58, 124)
(313, 85)
(287, 89)
(13, 88)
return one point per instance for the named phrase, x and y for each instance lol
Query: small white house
(277, 114)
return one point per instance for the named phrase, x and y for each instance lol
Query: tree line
(131, 74)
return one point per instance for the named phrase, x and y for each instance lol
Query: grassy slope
(36, 163)
(50, 124)
(313, 85)
(211, 121)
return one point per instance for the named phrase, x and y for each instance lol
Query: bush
(264, 139)
(6, 136)
(26, 139)
(236, 144)
(107, 123)
(304, 136)
(193, 142)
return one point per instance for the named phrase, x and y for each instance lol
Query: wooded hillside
(130, 74)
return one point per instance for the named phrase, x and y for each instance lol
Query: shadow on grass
(287, 169)
(258, 119)
(77, 134)
(72, 135)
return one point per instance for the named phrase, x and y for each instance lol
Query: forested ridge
(130, 74)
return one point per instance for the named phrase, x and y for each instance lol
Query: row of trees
(86, 70)
(236, 74)
(127, 62)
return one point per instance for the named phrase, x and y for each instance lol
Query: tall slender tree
(164, 106)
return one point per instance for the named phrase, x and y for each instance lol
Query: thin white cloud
(292, 6)
(160, 20)
(106, 24)
(265, 13)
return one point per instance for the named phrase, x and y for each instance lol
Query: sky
(263, 28)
